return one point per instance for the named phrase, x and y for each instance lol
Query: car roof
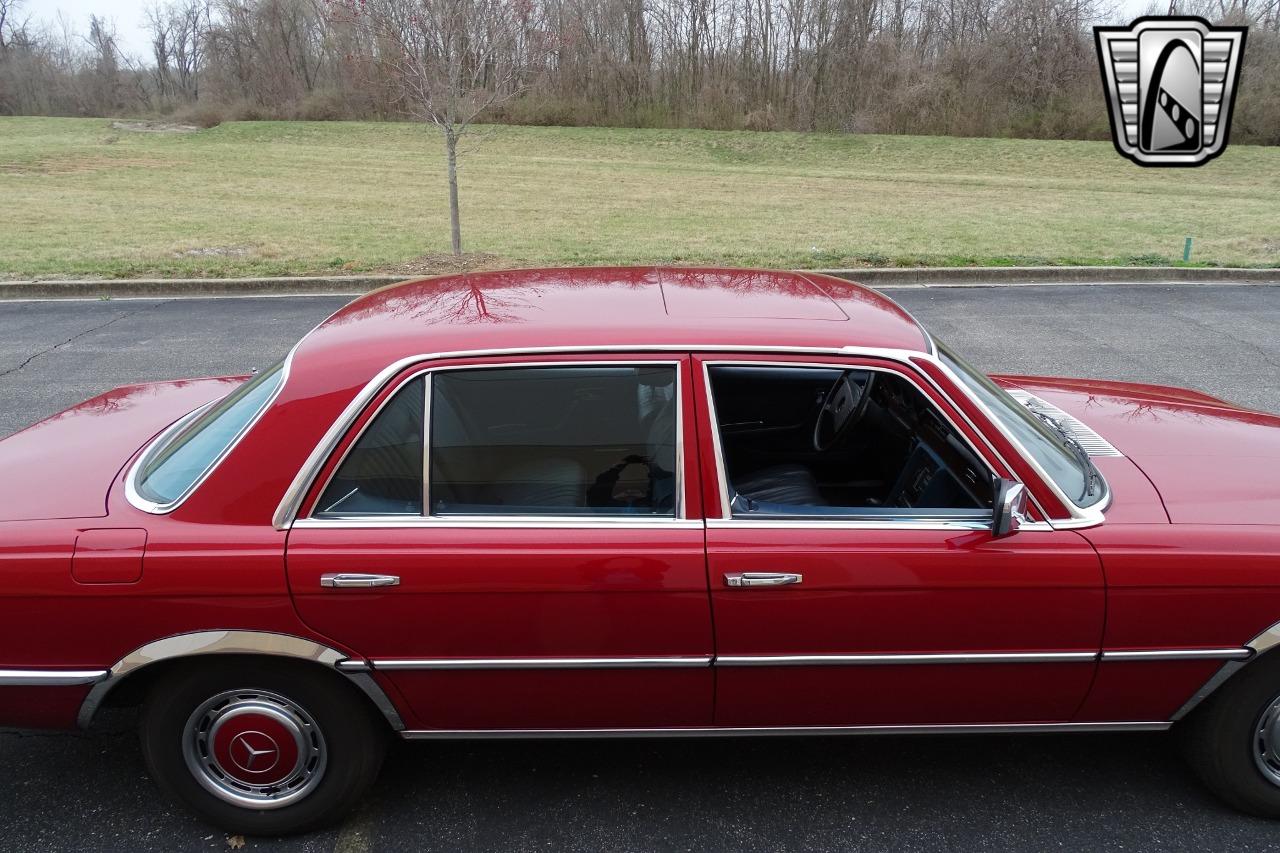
(606, 307)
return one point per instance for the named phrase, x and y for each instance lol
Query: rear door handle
(762, 578)
(354, 580)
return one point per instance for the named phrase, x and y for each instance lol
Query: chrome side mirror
(1010, 508)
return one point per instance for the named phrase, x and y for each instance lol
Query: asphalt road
(1083, 792)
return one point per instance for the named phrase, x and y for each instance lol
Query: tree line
(1024, 68)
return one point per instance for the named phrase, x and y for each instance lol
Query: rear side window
(382, 473)
(553, 441)
(180, 464)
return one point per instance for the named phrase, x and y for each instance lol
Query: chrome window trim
(458, 522)
(50, 677)
(287, 509)
(906, 659)
(852, 521)
(462, 520)
(661, 662)
(760, 731)
(426, 390)
(199, 643)
(157, 445)
(801, 523)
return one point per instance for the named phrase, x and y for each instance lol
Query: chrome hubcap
(1266, 742)
(254, 749)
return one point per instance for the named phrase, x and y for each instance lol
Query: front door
(550, 571)
(854, 577)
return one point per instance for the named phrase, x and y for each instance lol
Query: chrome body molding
(1177, 654)
(290, 502)
(770, 731)
(905, 659)
(50, 677)
(201, 643)
(544, 663)
(872, 659)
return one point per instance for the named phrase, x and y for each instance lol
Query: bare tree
(450, 61)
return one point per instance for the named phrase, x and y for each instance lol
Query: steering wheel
(842, 407)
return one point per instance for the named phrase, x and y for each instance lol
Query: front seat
(781, 484)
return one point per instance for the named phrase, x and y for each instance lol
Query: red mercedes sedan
(634, 502)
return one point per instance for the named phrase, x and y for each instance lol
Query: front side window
(585, 441)
(382, 473)
(180, 463)
(831, 442)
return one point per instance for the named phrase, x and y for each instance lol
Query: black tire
(343, 738)
(1220, 739)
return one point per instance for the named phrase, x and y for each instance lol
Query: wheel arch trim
(238, 642)
(1259, 646)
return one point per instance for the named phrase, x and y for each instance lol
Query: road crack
(80, 335)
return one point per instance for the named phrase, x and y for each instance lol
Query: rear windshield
(180, 464)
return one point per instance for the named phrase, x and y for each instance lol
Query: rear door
(550, 571)
(893, 609)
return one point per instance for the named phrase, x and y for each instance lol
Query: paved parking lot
(1084, 792)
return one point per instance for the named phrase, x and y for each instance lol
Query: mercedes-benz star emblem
(254, 752)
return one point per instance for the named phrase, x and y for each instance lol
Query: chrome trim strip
(50, 677)
(287, 509)
(762, 731)
(1177, 654)
(848, 524)
(675, 661)
(131, 493)
(437, 521)
(548, 522)
(231, 642)
(901, 659)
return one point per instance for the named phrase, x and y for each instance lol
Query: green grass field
(80, 198)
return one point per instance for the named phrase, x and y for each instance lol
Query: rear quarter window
(177, 466)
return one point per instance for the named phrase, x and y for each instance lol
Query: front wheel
(261, 747)
(1233, 740)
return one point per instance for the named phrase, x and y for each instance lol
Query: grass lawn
(81, 198)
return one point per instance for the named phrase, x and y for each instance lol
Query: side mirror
(1010, 508)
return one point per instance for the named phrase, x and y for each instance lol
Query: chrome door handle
(762, 578)
(351, 580)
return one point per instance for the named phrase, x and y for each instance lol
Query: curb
(870, 276)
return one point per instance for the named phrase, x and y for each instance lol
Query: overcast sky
(129, 17)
